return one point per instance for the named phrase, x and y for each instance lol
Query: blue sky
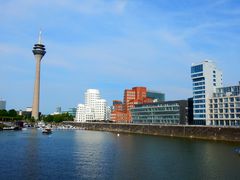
(112, 45)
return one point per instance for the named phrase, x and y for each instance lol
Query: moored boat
(12, 128)
(47, 131)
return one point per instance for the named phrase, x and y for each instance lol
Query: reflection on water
(79, 154)
(30, 155)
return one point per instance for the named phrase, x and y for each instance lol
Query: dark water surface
(76, 154)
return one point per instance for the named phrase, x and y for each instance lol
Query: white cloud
(97, 7)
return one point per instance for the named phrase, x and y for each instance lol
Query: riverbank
(231, 134)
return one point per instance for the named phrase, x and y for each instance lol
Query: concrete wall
(199, 132)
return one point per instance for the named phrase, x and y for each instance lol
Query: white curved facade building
(94, 109)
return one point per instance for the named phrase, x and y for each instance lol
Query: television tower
(38, 51)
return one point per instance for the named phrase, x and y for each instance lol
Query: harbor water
(80, 154)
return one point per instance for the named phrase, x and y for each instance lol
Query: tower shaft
(36, 95)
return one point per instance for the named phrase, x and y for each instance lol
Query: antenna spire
(40, 37)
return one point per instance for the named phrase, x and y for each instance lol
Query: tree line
(12, 115)
(57, 118)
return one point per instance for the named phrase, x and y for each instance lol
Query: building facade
(121, 111)
(206, 78)
(224, 106)
(94, 109)
(156, 96)
(168, 112)
(2, 104)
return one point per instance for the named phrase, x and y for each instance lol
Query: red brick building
(121, 111)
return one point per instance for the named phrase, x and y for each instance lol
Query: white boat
(9, 128)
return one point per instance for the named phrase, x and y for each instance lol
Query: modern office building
(58, 111)
(70, 111)
(156, 96)
(224, 106)
(84, 113)
(168, 112)
(2, 104)
(118, 105)
(121, 111)
(206, 78)
(94, 109)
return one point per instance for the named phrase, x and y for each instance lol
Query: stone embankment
(187, 131)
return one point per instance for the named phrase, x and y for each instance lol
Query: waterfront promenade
(220, 133)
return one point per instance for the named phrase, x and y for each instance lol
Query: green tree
(3, 113)
(48, 118)
(58, 118)
(12, 113)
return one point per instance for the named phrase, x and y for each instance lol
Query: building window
(198, 68)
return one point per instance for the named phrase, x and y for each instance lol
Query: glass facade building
(156, 96)
(168, 112)
(205, 78)
(2, 104)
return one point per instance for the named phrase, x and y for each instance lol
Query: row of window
(199, 101)
(221, 116)
(225, 110)
(225, 105)
(196, 116)
(155, 109)
(199, 111)
(199, 92)
(199, 96)
(199, 83)
(199, 106)
(197, 75)
(231, 99)
(199, 88)
(199, 79)
(225, 123)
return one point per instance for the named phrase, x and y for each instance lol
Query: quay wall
(186, 131)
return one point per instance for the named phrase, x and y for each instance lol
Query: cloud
(21, 9)
(95, 7)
